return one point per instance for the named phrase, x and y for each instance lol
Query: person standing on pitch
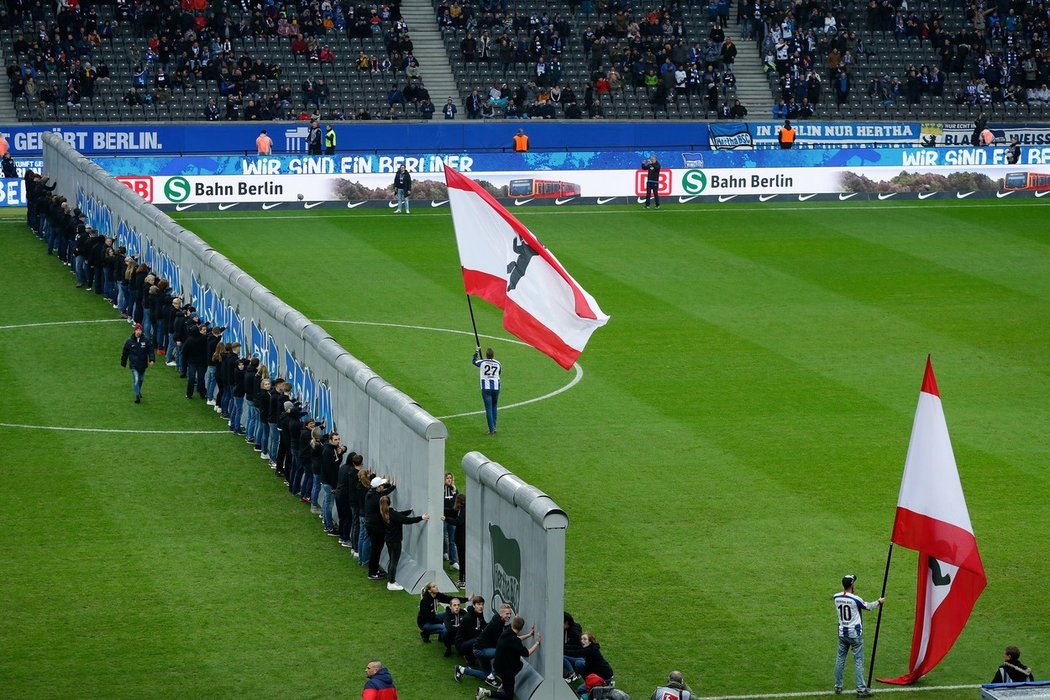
(379, 684)
(490, 376)
(651, 166)
(402, 189)
(138, 351)
(849, 607)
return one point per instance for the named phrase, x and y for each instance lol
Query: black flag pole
(477, 340)
(878, 620)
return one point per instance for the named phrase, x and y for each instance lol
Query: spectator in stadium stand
(675, 688)
(313, 139)
(490, 370)
(4, 147)
(429, 620)
(395, 521)
(1013, 154)
(786, 135)
(264, 144)
(375, 525)
(849, 608)
(987, 138)
(508, 660)
(738, 110)
(521, 142)
(449, 110)
(380, 684)
(426, 109)
(138, 353)
(1012, 670)
(651, 166)
(402, 189)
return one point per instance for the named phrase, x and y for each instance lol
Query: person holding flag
(850, 608)
(490, 375)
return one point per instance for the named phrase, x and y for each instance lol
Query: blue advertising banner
(12, 192)
(732, 135)
(448, 137)
(153, 166)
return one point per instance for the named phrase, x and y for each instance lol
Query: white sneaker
(263, 455)
(455, 567)
(170, 364)
(210, 402)
(394, 587)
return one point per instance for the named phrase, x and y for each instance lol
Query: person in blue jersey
(490, 380)
(849, 607)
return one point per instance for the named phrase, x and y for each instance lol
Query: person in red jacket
(380, 685)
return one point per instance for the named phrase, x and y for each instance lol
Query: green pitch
(734, 447)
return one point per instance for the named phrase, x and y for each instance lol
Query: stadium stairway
(429, 50)
(752, 84)
(8, 115)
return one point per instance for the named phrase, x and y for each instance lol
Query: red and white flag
(506, 265)
(933, 520)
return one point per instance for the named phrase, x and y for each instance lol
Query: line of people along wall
(402, 439)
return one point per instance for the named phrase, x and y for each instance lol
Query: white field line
(592, 211)
(572, 382)
(845, 694)
(25, 426)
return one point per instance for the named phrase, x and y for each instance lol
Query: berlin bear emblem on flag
(518, 267)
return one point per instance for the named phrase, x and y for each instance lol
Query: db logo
(665, 182)
(142, 186)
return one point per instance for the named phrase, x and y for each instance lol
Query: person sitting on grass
(429, 620)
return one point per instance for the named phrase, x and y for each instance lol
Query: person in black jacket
(1012, 670)
(251, 412)
(138, 352)
(301, 480)
(395, 521)
(473, 624)
(237, 395)
(429, 620)
(262, 402)
(593, 661)
(454, 619)
(508, 661)
(402, 189)
(289, 426)
(342, 494)
(331, 458)
(211, 377)
(572, 649)
(362, 544)
(195, 352)
(375, 526)
(485, 647)
(448, 515)
(457, 522)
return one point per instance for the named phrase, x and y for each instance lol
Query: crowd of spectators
(189, 45)
(626, 48)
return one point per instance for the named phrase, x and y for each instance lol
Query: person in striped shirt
(849, 608)
(490, 375)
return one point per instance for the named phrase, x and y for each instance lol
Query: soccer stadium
(686, 333)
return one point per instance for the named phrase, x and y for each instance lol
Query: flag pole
(477, 340)
(878, 620)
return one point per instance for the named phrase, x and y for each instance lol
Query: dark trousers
(376, 537)
(283, 460)
(342, 507)
(195, 376)
(393, 549)
(652, 189)
(466, 648)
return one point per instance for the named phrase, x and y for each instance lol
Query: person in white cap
(849, 608)
(375, 526)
